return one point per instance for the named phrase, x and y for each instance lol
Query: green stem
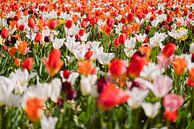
(0, 118)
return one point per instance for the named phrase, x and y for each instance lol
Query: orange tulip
(86, 67)
(190, 81)
(179, 65)
(12, 51)
(34, 108)
(145, 49)
(22, 47)
(17, 62)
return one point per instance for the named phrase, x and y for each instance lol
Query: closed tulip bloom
(190, 80)
(28, 63)
(110, 22)
(31, 23)
(38, 37)
(4, 33)
(69, 24)
(54, 63)
(136, 65)
(117, 68)
(17, 62)
(23, 47)
(86, 67)
(172, 102)
(179, 65)
(34, 108)
(52, 24)
(169, 50)
(171, 116)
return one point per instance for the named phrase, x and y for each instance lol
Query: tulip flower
(151, 110)
(179, 65)
(169, 50)
(190, 80)
(31, 23)
(162, 85)
(172, 102)
(86, 67)
(52, 24)
(34, 108)
(171, 116)
(117, 68)
(136, 65)
(111, 97)
(38, 37)
(54, 63)
(4, 33)
(69, 24)
(28, 63)
(137, 97)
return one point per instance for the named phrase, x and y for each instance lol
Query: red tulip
(169, 19)
(38, 37)
(190, 16)
(83, 23)
(4, 33)
(160, 12)
(111, 97)
(21, 27)
(110, 22)
(190, 81)
(170, 116)
(28, 63)
(116, 42)
(81, 32)
(31, 23)
(169, 50)
(123, 20)
(117, 68)
(122, 38)
(93, 21)
(52, 24)
(89, 54)
(130, 17)
(66, 74)
(108, 30)
(136, 65)
(54, 63)
(69, 24)
(186, 12)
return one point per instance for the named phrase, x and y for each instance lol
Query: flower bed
(97, 64)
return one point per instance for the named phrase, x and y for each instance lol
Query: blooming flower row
(92, 58)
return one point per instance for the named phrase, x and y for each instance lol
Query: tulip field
(96, 64)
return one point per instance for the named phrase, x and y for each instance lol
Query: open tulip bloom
(97, 64)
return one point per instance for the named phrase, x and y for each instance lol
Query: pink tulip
(163, 62)
(162, 85)
(172, 102)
